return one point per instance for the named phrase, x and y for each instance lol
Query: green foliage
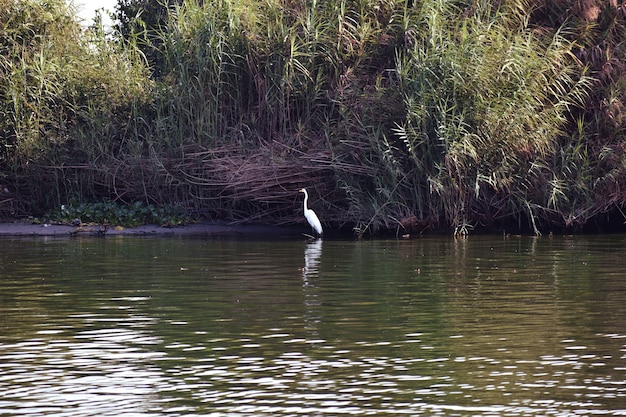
(111, 213)
(67, 97)
(408, 115)
(485, 101)
(140, 22)
(58, 82)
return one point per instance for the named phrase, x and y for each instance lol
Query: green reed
(398, 115)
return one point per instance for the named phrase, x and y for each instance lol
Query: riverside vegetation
(396, 115)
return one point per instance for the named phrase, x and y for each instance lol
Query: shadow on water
(435, 326)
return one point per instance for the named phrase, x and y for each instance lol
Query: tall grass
(408, 115)
(67, 97)
(266, 81)
(486, 102)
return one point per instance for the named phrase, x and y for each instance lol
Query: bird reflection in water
(312, 302)
(312, 254)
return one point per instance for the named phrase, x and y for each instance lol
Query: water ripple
(487, 327)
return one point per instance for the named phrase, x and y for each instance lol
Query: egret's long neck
(306, 198)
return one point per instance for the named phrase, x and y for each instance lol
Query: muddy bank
(19, 228)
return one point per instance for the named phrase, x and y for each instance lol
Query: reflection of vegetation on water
(409, 115)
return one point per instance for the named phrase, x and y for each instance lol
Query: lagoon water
(484, 326)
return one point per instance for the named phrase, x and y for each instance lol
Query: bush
(68, 97)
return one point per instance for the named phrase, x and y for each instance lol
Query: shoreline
(21, 229)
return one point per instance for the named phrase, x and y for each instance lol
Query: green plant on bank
(110, 213)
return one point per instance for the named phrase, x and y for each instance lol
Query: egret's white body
(310, 215)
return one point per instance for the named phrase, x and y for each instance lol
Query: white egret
(310, 215)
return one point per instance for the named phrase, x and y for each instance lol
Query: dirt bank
(21, 228)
